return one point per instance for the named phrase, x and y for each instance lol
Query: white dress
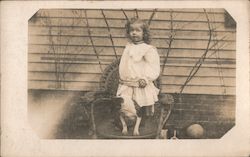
(139, 61)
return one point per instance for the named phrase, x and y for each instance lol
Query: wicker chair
(104, 111)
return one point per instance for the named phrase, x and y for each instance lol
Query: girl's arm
(152, 68)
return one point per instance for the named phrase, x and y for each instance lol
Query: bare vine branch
(136, 13)
(151, 17)
(218, 64)
(91, 40)
(198, 64)
(124, 13)
(48, 23)
(110, 35)
(171, 39)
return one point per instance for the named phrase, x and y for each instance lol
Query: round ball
(195, 131)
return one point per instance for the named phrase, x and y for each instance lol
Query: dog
(129, 113)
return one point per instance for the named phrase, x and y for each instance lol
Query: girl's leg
(137, 125)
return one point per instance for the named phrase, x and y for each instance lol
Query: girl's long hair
(145, 28)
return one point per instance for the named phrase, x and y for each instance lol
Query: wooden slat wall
(67, 34)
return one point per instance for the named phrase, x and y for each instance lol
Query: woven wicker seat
(103, 111)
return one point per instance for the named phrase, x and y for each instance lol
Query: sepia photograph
(125, 78)
(131, 73)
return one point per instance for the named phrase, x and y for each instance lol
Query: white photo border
(18, 139)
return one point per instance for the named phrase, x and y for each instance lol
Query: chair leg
(94, 135)
(162, 120)
(160, 124)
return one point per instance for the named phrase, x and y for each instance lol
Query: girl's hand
(142, 83)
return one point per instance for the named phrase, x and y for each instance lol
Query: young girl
(139, 67)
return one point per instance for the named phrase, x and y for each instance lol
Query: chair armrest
(166, 99)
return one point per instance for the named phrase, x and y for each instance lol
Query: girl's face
(136, 32)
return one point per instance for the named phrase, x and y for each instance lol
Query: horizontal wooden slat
(99, 31)
(96, 83)
(224, 38)
(198, 53)
(67, 38)
(43, 49)
(85, 41)
(178, 61)
(73, 77)
(197, 10)
(117, 13)
(87, 86)
(203, 71)
(222, 55)
(83, 68)
(216, 81)
(200, 89)
(68, 76)
(221, 64)
(119, 31)
(103, 47)
(173, 55)
(120, 23)
(99, 74)
(169, 70)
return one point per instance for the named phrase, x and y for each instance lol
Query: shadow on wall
(47, 109)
